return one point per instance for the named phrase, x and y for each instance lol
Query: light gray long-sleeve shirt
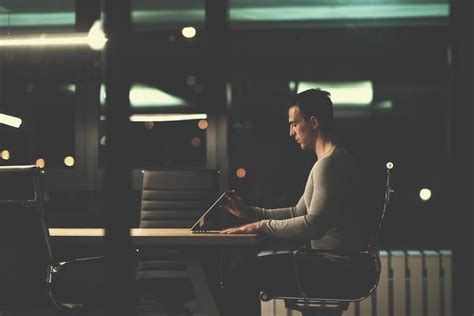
(325, 211)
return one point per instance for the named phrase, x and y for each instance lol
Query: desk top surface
(159, 236)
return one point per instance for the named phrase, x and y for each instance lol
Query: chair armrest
(58, 267)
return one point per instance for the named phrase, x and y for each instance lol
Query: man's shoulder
(339, 161)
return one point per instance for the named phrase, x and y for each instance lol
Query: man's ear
(314, 121)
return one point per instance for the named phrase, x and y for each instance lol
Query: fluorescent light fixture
(251, 14)
(10, 120)
(359, 93)
(73, 39)
(42, 19)
(166, 117)
(95, 39)
(142, 96)
(299, 13)
(339, 12)
(146, 96)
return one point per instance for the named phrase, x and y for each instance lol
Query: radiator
(412, 283)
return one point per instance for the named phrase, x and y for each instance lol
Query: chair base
(310, 307)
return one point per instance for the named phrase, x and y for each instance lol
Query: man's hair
(315, 102)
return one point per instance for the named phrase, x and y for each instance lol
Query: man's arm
(258, 213)
(326, 198)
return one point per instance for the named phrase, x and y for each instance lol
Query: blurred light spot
(40, 162)
(5, 154)
(202, 124)
(228, 94)
(96, 37)
(103, 140)
(149, 125)
(384, 105)
(241, 173)
(425, 194)
(198, 88)
(102, 118)
(191, 80)
(196, 142)
(389, 165)
(292, 85)
(188, 32)
(69, 161)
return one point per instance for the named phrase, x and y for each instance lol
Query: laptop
(212, 221)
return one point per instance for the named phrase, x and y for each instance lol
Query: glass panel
(167, 15)
(37, 16)
(386, 65)
(33, 90)
(328, 13)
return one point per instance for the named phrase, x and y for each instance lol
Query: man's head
(310, 115)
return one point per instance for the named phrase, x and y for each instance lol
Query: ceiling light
(166, 117)
(72, 39)
(10, 120)
(357, 93)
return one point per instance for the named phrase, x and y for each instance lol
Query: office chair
(171, 199)
(28, 271)
(354, 278)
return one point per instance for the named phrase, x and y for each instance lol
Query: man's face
(303, 131)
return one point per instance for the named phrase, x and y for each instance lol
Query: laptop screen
(212, 220)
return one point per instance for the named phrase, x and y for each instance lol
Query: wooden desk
(159, 236)
(169, 237)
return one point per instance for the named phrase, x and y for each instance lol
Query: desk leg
(201, 287)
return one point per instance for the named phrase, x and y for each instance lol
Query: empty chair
(171, 199)
(27, 270)
(350, 275)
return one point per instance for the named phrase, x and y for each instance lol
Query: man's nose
(291, 132)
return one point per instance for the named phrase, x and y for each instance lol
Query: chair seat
(329, 275)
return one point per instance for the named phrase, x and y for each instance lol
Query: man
(324, 215)
(325, 211)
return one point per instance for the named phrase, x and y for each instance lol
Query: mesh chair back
(176, 198)
(374, 193)
(373, 245)
(24, 238)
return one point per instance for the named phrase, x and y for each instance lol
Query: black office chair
(28, 270)
(171, 199)
(353, 276)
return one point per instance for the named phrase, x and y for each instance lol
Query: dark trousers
(247, 272)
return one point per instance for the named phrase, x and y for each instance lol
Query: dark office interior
(205, 85)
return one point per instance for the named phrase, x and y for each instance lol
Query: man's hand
(251, 228)
(235, 205)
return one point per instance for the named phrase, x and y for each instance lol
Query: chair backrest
(374, 223)
(24, 239)
(176, 198)
(373, 246)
